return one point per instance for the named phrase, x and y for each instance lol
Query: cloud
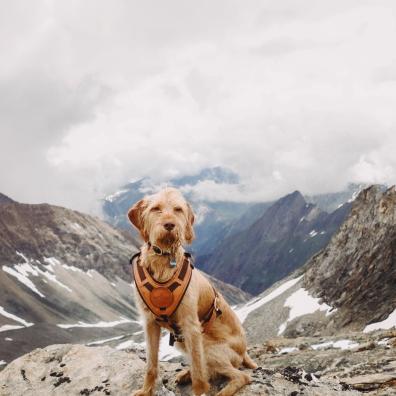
(96, 93)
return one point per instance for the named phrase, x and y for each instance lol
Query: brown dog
(165, 222)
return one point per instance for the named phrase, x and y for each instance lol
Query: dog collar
(161, 252)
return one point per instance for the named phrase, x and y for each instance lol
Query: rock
(64, 370)
(367, 346)
(73, 370)
(355, 272)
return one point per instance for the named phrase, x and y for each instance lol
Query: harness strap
(212, 314)
(163, 299)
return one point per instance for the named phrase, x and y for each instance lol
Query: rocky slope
(86, 242)
(356, 272)
(349, 285)
(47, 302)
(304, 366)
(281, 240)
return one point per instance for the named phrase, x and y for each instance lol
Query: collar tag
(172, 263)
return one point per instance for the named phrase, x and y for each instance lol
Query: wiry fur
(219, 352)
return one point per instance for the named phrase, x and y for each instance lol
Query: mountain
(65, 277)
(212, 217)
(332, 201)
(328, 328)
(215, 220)
(282, 239)
(356, 272)
(86, 242)
(4, 199)
(349, 286)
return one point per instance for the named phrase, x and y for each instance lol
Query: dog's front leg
(191, 329)
(153, 334)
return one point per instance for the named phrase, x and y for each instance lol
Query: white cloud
(290, 95)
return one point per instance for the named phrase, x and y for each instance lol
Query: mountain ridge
(283, 238)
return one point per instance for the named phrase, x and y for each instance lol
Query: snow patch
(21, 271)
(256, 303)
(131, 344)
(8, 339)
(287, 350)
(166, 352)
(51, 262)
(112, 197)
(383, 342)
(52, 278)
(10, 327)
(14, 317)
(354, 196)
(98, 324)
(341, 344)
(313, 233)
(386, 324)
(99, 342)
(2, 362)
(72, 268)
(301, 303)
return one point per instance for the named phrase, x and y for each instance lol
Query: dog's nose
(169, 226)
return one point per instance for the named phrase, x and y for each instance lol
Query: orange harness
(163, 298)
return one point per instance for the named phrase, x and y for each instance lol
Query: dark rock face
(356, 272)
(287, 234)
(5, 200)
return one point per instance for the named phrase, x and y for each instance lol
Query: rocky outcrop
(286, 367)
(281, 240)
(356, 272)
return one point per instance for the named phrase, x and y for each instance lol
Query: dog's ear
(135, 215)
(189, 235)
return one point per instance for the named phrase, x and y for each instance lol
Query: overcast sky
(289, 94)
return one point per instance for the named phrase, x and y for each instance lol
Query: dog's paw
(200, 387)
(141, 392)
(184, 377)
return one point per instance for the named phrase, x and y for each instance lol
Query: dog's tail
(248, 362)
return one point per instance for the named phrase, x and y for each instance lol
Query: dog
(165, 222)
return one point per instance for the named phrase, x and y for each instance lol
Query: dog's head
(165, 219)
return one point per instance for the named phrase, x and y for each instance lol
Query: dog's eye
(178, 209)
(155, 209)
